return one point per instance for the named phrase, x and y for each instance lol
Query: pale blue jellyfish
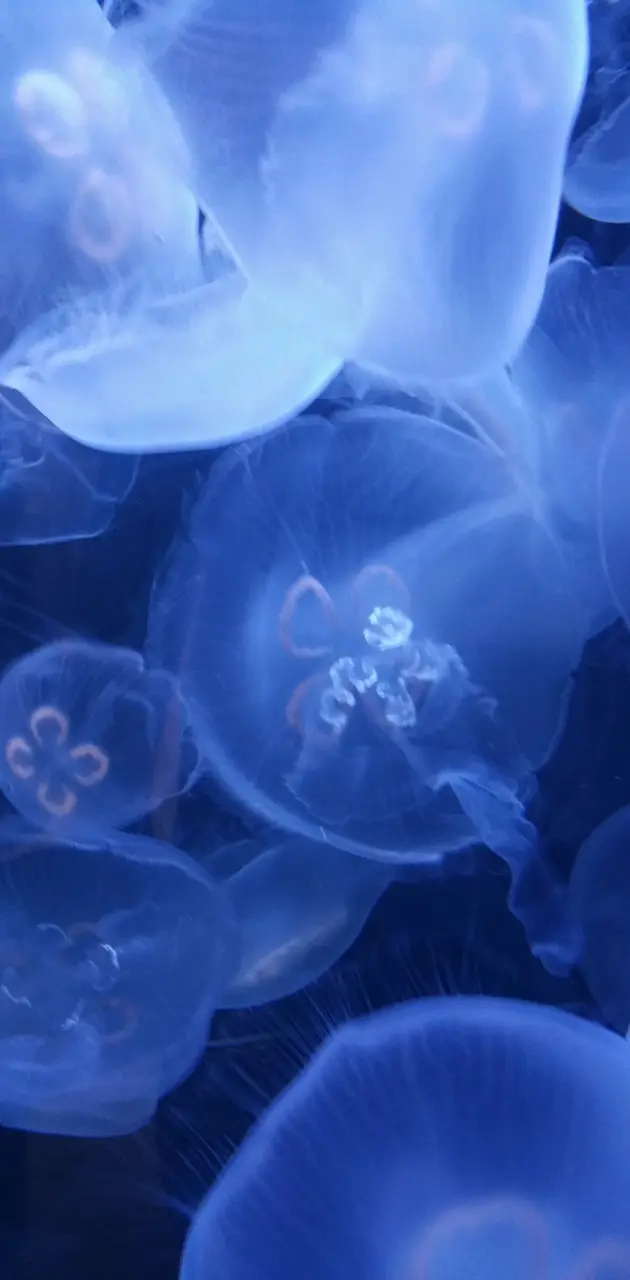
(90, 739)
(389, 173)
(51, 488)
(296, 906)
(600, 904)
(597, 180)
(374, 637)
(446, 1137)
(112, 954)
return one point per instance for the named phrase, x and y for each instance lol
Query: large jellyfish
(51, 488)
(90, 739)
(112, 955)
(447, 1137)
(296, 908)
(374, 636)
(597, 180)
(391, 171)
(600, 904)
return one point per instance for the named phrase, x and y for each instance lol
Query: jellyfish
(447, 1136)
(352, 153)
(596, 181)
(51, 488)
(112, 953)
(297, 907)
(91, 739)
(374, 636)
(93, 186)
(600, 901)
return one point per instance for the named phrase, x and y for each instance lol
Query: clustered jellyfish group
(320, 234)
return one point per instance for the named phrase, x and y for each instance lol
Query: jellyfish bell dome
(449, 1136)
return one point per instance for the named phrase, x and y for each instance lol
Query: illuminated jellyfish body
(91, 739)
(374, 638)
(597, 181)
(600, 903)
(351, 153)
(112, 954)
(51, 488)
(445, 1137)
(296, 907)
(93, 176)
(572, 375)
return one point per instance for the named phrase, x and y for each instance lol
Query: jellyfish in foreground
(446, 1137)
(374, 637)
(296, 906)
(52, 489)
(600, 905)
(90, 738)
(328, 143)
(597, 180)
(93, 186)
(112, 955)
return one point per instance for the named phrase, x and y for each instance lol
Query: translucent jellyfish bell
(600, 903)
(51, 488)
(324, 615)
(597, 180)
(296, 908)
(347, 150)
(91, 739)
(134, 375)
(445, 1137)
(111, 957)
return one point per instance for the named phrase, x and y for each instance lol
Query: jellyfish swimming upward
(446, 1137)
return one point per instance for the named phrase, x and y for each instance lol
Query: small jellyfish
(445, 1137)
(374, 637)
(91, 739)
(51, 488)
(597, 180)
(296, 908)
(352, 154)
(112, 954)
(599, 896)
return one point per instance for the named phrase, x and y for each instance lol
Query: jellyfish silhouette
(350, 152)
(323, 614)
(596, 181)
(449, 1136)
(600, 900)
(91, 739)
(112, 954)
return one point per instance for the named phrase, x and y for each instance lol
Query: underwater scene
(315, 640)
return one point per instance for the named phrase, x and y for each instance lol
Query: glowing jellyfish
(374, 637)
(600, 902)
(597, 181)
(352, 153)
(52, 489)
(446, 1137)
(90, 738)
(296, 908)
(572, 375)
(112, 954)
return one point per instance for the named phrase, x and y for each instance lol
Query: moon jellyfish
(572, 375)
(324, 618)
(197, 369)
(112, 955)
(600, 902)
(597, 181)
(352, 153)
(90, 738)
(296, 908)
(93, 175)
(445, 1137)
(52, 489)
